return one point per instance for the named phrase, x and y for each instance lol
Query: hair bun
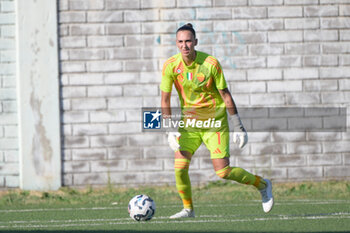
(187, 27)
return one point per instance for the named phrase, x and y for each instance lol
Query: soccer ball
(141, 208)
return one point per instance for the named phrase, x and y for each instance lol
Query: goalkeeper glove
(173, 139)
(239, 132)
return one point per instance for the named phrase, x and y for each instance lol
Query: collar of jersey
(193, 63)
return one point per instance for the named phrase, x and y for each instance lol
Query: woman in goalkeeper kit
(207, 107)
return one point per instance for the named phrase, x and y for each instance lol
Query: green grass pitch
(219, 208)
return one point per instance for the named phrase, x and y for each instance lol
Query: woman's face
(186, 42)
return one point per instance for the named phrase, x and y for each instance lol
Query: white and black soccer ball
(141, 208)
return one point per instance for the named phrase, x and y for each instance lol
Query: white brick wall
(8, 106)
(274, 53)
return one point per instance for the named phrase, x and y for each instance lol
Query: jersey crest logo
(179, 69)
(200, 77)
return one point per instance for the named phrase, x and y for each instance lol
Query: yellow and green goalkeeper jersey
(197, 85)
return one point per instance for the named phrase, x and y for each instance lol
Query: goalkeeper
(204, 97)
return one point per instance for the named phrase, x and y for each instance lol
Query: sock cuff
(187, 203)
(257, 181)
(182, 163)
(224, 171)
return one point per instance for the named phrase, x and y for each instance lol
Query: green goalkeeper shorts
(216, 142)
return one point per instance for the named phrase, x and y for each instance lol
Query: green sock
(241, 176)
(183, 183)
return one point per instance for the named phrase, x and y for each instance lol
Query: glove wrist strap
(237, 123)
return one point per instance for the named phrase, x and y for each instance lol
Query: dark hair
(187, 27)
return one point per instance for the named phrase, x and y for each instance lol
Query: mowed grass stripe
(248, 203)
(192, 221)
(167, 217)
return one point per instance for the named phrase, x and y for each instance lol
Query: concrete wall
(38, 97)
(274, 53)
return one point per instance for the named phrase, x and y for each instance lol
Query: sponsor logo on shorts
(217, 151)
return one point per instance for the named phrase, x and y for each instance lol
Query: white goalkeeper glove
(239, 133)
(173, 139)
